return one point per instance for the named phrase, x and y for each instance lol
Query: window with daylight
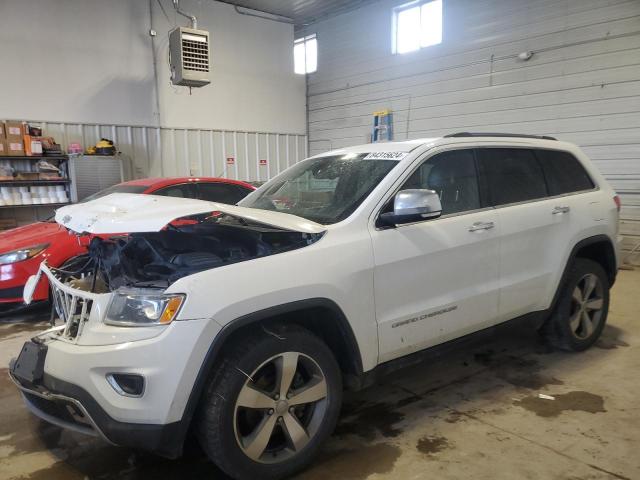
(417, 25)
(305, 54)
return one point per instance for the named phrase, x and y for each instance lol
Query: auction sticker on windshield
(386, 156)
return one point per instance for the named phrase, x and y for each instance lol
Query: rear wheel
(582, 307)
(274, 399)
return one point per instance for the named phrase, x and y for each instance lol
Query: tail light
(616, 200)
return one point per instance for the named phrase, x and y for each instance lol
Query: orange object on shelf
(32, 145)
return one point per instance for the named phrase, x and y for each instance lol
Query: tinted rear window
(564, 173)
(221, 192)
(510, 175)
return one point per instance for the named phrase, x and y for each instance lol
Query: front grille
(72, 306)
(195, 55)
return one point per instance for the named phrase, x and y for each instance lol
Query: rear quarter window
(564, 172)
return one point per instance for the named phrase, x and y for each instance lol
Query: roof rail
(511, 135)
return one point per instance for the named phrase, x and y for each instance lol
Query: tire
(575, 322)
(228, 429)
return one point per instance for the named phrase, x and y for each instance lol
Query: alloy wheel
(280, 407)
(586, 306)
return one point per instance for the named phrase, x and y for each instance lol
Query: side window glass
(177, 191)
(564, 173)
(510, 175)
(221, 193)
(453, 176)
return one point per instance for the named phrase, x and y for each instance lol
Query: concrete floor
(475, 413)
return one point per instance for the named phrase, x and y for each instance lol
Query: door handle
(559, 210)
(481, 226)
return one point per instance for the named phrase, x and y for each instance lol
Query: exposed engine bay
(186, 246)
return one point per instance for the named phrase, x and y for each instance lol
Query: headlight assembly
(21, 254)
(139, 308)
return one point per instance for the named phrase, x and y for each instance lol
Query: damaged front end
(185, 247)
(142, 244)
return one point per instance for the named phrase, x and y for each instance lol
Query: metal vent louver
(195, 53)
(190, 59)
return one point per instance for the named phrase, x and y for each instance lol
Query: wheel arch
(321, 316)
(598, 248)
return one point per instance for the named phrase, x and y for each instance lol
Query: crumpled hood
(135, 213)
(29, 235)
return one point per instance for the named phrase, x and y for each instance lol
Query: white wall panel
(253, 84)
(77, 60)
(582, 84)
(168, 152)
(94, 61)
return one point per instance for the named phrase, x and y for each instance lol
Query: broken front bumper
(70, 407)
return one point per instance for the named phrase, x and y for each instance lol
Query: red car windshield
(116, 189)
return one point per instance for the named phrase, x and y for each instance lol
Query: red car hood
(29, 235)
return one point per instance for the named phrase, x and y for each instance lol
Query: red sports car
(22, 249)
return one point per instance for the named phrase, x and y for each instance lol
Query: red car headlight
(21, 254)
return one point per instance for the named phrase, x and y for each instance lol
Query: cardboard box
(14, 132)
(15, 129)
(4, 147)
(15, 148)
(2, 130)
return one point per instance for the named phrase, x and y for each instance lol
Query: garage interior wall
(89, 68)
(582, 84)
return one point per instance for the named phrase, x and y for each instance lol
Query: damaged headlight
(133, 308)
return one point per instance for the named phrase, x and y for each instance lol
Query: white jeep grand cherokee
(243, 323)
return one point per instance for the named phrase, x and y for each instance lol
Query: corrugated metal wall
(582, 84)
(169, 152)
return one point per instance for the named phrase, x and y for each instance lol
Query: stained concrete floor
(473, 413)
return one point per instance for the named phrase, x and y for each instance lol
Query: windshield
(121, 188)
(325, 190)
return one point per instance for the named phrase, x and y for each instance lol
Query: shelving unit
(28, 212)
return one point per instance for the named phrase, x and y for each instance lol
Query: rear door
(535, 228)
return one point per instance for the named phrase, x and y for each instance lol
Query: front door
(437, 279)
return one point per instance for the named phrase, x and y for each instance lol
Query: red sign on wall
(231, 161)
(263, 162)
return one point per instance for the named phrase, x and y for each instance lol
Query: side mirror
(411, 206)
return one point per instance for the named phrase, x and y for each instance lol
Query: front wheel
(272, 402)
(582, 307)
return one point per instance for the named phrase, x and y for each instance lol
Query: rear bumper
(71, 407)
